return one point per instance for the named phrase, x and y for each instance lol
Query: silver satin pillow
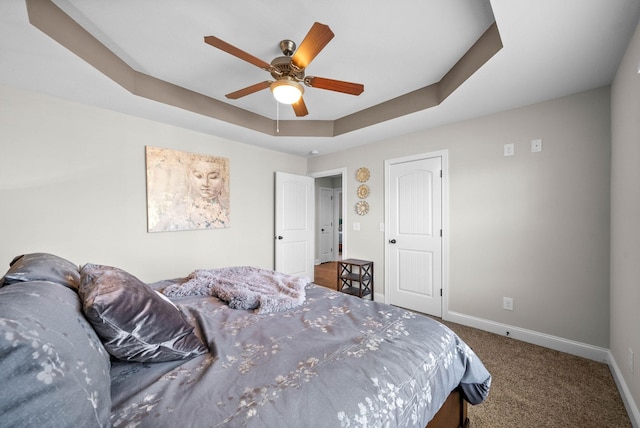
(42, 267)
(134, 322)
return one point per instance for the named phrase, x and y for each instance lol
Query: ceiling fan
(289, 70)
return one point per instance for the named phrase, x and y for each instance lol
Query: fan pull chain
(277, 117)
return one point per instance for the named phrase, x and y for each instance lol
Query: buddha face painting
(186, 191)
(205, 178)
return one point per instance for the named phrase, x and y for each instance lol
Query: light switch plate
(356, 226)
(509, 149)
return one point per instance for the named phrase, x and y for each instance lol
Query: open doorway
(330, 236)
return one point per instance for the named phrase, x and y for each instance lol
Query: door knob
(392, 241)
(280, 237)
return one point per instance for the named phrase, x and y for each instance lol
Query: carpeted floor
(533, 386)
(538, 387)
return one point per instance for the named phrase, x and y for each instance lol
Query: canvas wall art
(186, 191)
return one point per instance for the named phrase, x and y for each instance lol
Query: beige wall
(625, 217)
(534, 227)
(72, 183)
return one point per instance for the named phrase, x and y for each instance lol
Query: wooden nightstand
(355, 277)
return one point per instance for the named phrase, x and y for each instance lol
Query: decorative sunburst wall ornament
(363, 191)
(362, 174)
(362, 207)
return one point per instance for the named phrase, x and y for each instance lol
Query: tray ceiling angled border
(54, 22)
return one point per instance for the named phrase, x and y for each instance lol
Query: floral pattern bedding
(334, 361)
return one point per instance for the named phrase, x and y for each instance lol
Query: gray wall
(534, 227)
(72, 183)
(625, 217)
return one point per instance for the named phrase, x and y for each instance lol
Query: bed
(333, 360)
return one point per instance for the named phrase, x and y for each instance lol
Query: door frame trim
(444, 154)
(337, 214)
(343, 173)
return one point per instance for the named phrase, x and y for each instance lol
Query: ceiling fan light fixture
(287, 91)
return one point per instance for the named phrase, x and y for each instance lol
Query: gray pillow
(42, 267)
(54, 371)
(134, 322)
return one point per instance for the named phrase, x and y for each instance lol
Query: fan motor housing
(282, 67)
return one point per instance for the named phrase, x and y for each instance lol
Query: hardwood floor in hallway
(326, 274)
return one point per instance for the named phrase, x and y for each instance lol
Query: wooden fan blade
(238, 53)
(334, 85)
(315, 40)
(300, 108)
(248, 90)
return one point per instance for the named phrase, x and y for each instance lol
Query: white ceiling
(551, 48)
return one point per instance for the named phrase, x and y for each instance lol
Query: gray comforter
(334, 361)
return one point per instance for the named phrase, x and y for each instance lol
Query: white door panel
(415, 272)
(414, 242)
(294, 229)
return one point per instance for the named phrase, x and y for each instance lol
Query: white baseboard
(591, 352)
(629, 403)
(559, 344)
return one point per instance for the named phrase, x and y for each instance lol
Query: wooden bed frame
(452, 414)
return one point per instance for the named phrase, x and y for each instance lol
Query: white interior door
(294, 207)
(414, 228)
(325, 234)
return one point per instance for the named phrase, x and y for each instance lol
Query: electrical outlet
(536, 145)
(631, 360)
(507, 303)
